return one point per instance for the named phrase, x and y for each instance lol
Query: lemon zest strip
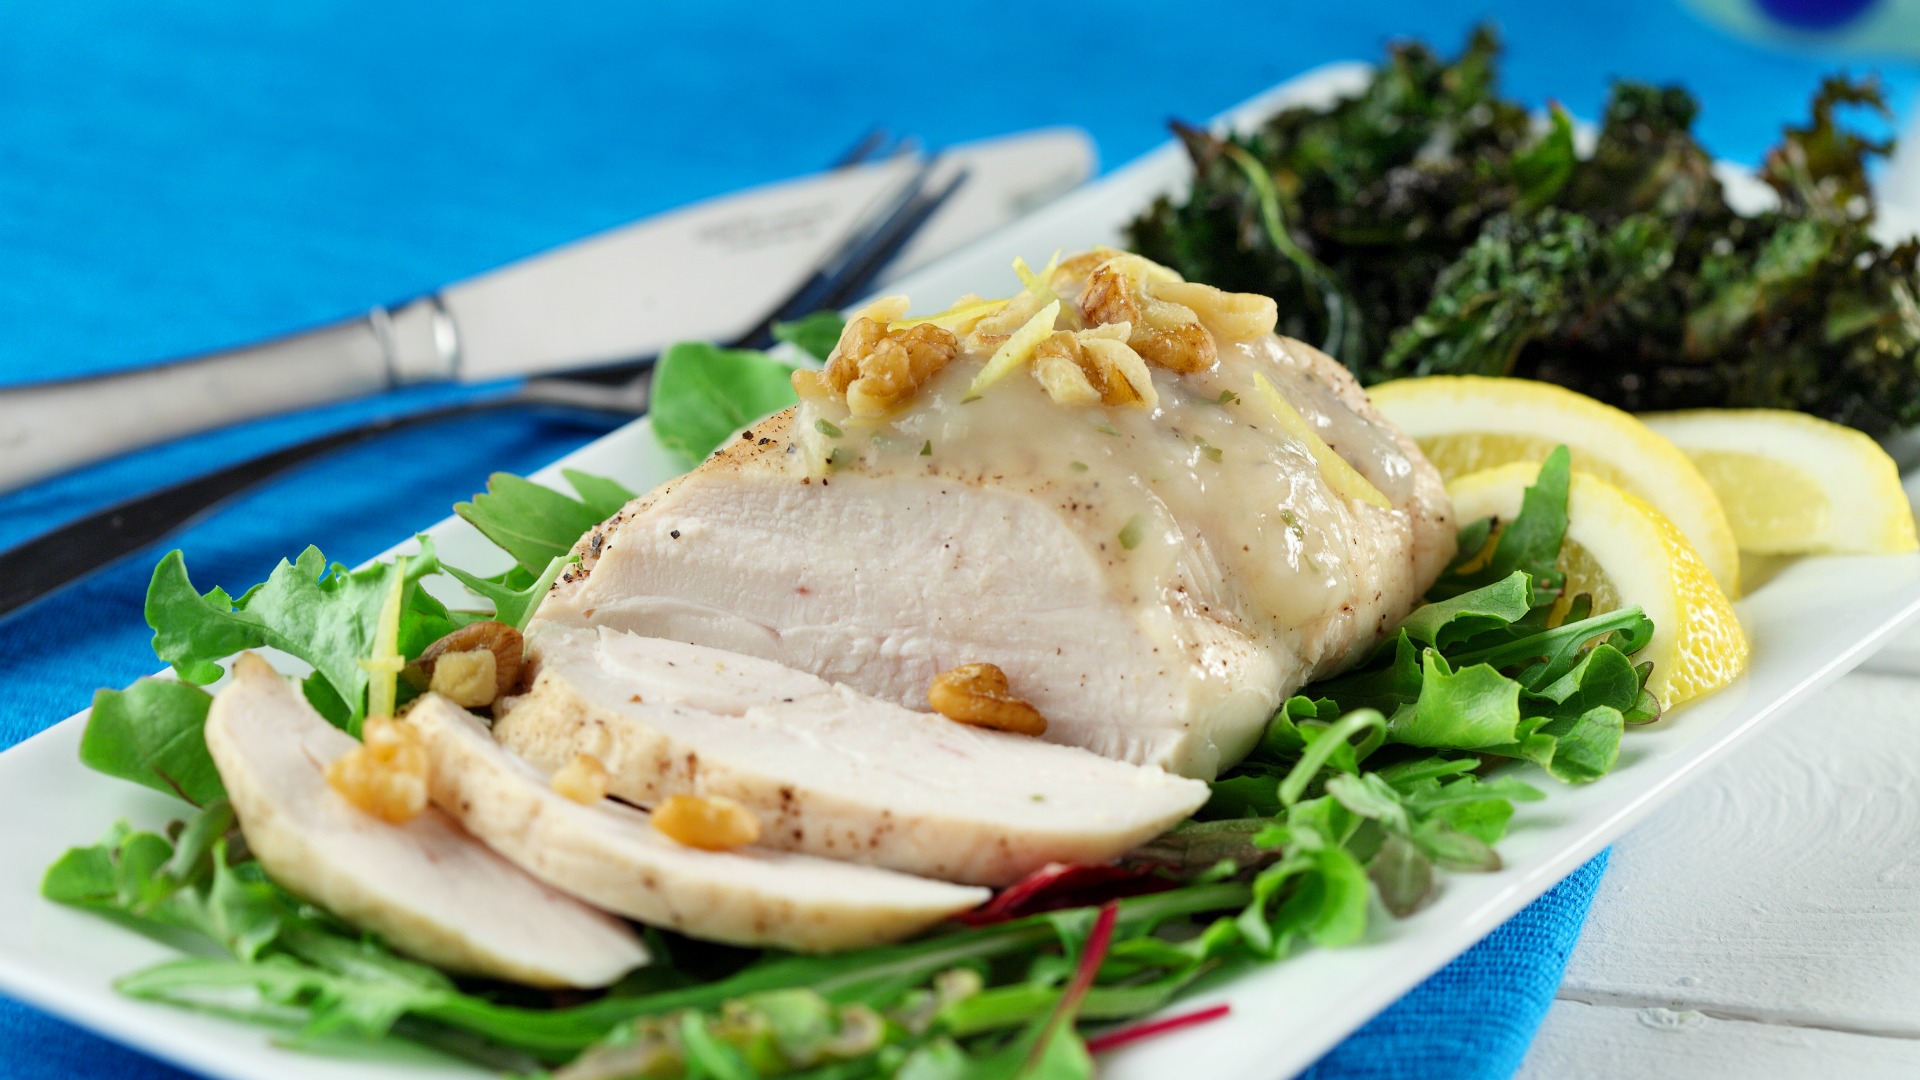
(1334, 469)
(1016, 350)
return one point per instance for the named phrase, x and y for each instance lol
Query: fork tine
(895, 227)
(870, 146)
(856, 280)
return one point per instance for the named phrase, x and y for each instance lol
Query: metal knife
(701, 272)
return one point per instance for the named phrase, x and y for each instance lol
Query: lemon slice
(1623, 552)
(1794, 484)
(1468, 422)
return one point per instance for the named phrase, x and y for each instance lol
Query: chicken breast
(1155, 566)
(611, 855)
(426, 887)
(827, 770)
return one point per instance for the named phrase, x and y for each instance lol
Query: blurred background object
(1833, 27)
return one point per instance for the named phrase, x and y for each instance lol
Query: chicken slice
(425, 886)
(1155, 576)
(610, 854)
(827, 770)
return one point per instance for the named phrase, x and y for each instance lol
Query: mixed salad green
(1366, 785)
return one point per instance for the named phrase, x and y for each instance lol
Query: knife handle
(48, 428)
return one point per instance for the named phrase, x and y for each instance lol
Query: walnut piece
(707, 822)
(876, 369)
(1097, 366)
(979, 695)
(467, 678)
(1164, 333)
(386, 775)
(583, 780)
(503, 641)
(1070, 277)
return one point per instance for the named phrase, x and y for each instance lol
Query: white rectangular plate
(1809, 625)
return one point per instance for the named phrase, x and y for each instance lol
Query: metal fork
(41, 565)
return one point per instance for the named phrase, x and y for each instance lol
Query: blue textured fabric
(177, 177)
(1475, 1018)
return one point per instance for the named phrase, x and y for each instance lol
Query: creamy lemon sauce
(1200, 504)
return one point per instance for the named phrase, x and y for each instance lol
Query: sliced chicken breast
(827, 770)
(426, 887)
(1154, 575)
(612, 856)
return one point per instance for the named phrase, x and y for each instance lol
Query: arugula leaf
(150, 733)
(1531, 542)
(324, 614)
(601, 496)
(146, 880)
(1386, 682)
(513, 606)
(1583, 748)
(534, 523)
(815, 334)
(1558, 649)
(702, 394)
(1461, 617)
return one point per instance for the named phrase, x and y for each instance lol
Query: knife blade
(701, 272)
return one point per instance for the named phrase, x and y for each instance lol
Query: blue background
(179, 177)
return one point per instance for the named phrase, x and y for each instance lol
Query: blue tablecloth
(174, 178)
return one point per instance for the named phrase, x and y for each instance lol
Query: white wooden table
(1766, 923)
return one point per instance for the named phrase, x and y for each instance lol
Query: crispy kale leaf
(1471, 240)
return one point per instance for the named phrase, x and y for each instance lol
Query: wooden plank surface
(1767, 922)
(1597, 1042)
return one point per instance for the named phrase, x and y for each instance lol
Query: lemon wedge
(1623, 552)
(1465, 423)
(1794, 484)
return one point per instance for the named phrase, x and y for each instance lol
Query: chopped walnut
(710, 823)
(386, 775)
(979, 695)
(1163, 332)
(1070, 277)
(583, 780)
(875, 368)
(466, 678)
(1089, 367)
(502, 640)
